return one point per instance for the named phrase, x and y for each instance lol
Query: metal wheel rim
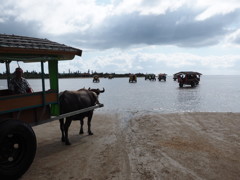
(12, 150)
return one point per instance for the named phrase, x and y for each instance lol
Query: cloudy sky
(122, 36)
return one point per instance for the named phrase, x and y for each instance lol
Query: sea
(215, 93)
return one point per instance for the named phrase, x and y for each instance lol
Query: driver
(18, 84)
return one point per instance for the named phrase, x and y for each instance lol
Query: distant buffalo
(76, 100)
(133, 78)
(96, 79)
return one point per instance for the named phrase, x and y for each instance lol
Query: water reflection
(188, 99)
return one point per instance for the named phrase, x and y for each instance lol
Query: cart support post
(8, 72)
(43, 84)
(53, 77)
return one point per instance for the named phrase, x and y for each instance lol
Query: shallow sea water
(213, 94)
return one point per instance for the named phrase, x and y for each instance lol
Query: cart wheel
(17, 148)
(192, 84)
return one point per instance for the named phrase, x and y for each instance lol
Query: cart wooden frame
(18, 113)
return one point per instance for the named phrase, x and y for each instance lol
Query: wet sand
(128, 146)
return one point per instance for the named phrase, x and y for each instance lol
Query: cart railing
(11, 103)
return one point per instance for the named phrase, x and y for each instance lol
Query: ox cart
(19, 112)
(188, 78)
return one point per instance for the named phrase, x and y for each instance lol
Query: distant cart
(175, 77)
(18, 113)
(188, 78)
(110, 76)
(162, 76)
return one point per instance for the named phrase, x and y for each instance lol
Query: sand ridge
(141, 146)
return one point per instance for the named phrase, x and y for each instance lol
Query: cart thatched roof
(30, 49)
(187, 72)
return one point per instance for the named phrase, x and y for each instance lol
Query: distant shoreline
(35, 75)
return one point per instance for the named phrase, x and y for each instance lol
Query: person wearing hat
(18, 84)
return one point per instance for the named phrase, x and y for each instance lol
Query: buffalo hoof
(81, 132)
(90, 133)
(63, 139)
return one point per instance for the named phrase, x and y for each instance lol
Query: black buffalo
(75, 100)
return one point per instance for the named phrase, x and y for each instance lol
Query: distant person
(18, 84)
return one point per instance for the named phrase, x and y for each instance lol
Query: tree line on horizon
(37, 75)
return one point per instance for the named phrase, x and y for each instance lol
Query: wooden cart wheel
(17, 148)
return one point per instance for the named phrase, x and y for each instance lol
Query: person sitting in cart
(18, 84)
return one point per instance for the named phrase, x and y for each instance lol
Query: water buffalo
(96, 79)
(133, 78)
(75, 100)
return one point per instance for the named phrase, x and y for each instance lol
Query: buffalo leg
(89, 123)
(81, 128)
(62, 129)
(66, 127)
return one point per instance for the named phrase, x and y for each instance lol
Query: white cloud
(215, 7)
(145, 62)
(58, 17)
(146, 7)
(232, 39)
(126, 61)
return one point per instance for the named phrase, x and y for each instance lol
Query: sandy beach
(130, 146)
